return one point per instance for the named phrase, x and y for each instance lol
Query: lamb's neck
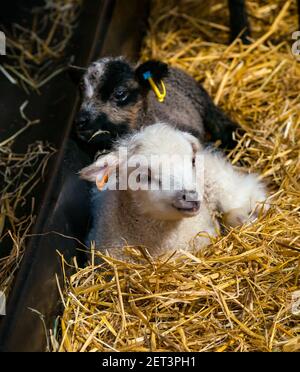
(149, 112)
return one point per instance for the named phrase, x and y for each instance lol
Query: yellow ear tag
(102, 182)
(160, 95)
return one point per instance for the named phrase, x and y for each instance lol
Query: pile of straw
(20, 173)
(35, 55)
(239, 294)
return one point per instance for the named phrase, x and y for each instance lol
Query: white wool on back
(230, 188)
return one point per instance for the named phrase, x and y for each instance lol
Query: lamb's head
(113, 93)
(159, 168)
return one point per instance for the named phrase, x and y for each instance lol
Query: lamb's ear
(100, 168)
(158, 70)
(76, 73)
(193, 141)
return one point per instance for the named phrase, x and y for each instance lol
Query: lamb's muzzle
(187, 202)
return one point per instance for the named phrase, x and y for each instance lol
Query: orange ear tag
(102, 182)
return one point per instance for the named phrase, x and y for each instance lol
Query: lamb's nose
(187, 201)
(82, 119)
(188, 196)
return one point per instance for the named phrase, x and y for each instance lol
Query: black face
(112, 96)
(118, 85)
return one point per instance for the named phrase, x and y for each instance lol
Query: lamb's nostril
(80, 124)
(82, 119)
(190, 196)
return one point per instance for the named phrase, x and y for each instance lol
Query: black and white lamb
(163, 191)
(116, 99)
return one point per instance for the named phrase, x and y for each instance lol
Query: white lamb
(165, 219)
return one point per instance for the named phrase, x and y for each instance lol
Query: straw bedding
(35, 52)
(35, 55)
(240, 293)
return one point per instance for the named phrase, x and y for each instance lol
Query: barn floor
(240, 293)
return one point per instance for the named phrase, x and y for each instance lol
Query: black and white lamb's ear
(158, 70)
(76, 74)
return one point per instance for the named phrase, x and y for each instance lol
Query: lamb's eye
(121, 94)
(149, 175)
(194, 161)
(144, 177)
